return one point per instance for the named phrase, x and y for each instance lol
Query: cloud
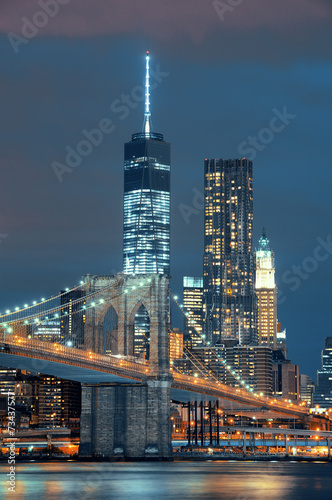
(161, 19)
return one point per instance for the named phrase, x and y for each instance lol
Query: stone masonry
(128, 420)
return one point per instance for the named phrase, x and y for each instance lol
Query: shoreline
(176, 458)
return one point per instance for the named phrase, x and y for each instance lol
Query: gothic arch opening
(110, 336)
(142, 333)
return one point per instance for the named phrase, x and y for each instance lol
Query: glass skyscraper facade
(146, 226)
(146, 231)
(193, 308)
(229, 295)
(146, 215)
(323, 391)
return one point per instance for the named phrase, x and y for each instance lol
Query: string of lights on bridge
(218, 358)
(12, 317)
(8, 319)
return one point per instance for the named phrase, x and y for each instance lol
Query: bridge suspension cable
(218, 358)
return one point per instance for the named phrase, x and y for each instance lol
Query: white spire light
(147, 112)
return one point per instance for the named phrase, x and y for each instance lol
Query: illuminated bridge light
(26, 322)
(43, 300)
(101, 301)
(93, 304)
(26, 305)
(8, 311)
(9, 330)
(17, 308)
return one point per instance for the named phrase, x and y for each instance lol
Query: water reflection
(176, 480)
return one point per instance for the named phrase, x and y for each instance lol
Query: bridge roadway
(88, 367)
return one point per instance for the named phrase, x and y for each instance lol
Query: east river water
(169, 480)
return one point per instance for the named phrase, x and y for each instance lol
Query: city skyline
(56, 87)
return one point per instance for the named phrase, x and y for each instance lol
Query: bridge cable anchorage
(260, 398)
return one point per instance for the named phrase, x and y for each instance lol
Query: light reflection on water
(169, 480)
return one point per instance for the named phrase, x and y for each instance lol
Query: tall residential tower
(228, 268)
(146, 226)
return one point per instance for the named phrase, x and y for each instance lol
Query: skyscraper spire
(147, 114)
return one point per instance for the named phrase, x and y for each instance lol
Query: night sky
(222, 72)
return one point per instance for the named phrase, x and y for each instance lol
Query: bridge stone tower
(129, 420)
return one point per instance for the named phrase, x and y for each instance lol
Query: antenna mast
(147, 112)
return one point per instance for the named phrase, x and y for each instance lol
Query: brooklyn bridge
(126, 400)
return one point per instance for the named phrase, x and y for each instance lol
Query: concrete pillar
(329, 448)
(130, 421)
(244, 443)
(286, 445)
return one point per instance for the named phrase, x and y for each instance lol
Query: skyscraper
(146, 215)
(193, 308)
(73, 318)
(228, 268)
(146, 227)
(266, 292)
(323, 391)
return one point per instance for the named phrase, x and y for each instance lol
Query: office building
(58, 402)
(146, 226)
(323, 392)
(285, 377)
(175, 345)
(146, 215)
(282, 340)
(266, 292)
(229, 265)
(307, 387)
(47, 331)
(193, 311)
(72, 318)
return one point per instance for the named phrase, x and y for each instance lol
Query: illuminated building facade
(72, 318)
(59, 402)
(146, 227)
(146, 223)
(323, 391)
(228, 267)
(193, 309)
(285, 377)
(266, 292)
(175, 344)
(48, 331)
(307, 387)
